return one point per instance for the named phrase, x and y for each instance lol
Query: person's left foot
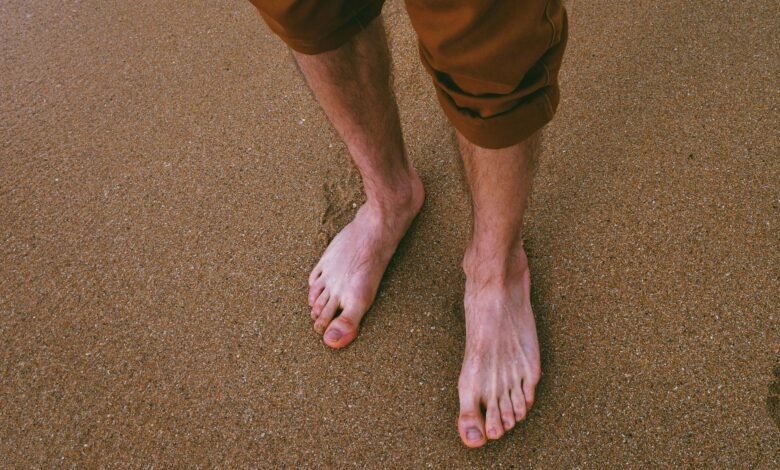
(501, 366)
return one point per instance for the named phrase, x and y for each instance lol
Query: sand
(167, 183)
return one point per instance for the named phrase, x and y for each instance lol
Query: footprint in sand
(342, 197)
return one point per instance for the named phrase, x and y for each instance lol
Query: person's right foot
(501, 365)
(344, 283)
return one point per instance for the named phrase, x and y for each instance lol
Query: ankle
(403, 192)
(491, 261)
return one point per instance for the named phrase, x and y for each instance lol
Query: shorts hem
(332, 40)
(505, 129)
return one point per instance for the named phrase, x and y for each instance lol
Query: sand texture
(167, 182)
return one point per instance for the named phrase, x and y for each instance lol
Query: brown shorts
(494, 62)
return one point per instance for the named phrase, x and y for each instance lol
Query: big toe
(341, 331)
(471, 422)
(471, 428)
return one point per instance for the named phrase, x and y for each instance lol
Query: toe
(326, 314)
(319, 304)
(518, 403)
(507, 411)
(493, 425)
(471, 426)
(343, 329)
(315, 274)
(529, 388)
(314, 292)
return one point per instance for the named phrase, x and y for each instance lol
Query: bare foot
(501, 365)
(344, 283)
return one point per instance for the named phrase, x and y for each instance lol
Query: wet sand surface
(167, 183)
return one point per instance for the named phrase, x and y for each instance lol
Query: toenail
(333, 335)
(473, 435)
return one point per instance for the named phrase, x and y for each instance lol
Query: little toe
(471, 426)
(507, 411)
(343, 329)
(518, 403)
(326, 314)
(493, 425)
(529, 389)
(315, 274)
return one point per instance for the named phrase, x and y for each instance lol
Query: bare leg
(501, 365)
(352, 84)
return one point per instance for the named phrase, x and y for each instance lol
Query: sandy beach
(167, 182)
